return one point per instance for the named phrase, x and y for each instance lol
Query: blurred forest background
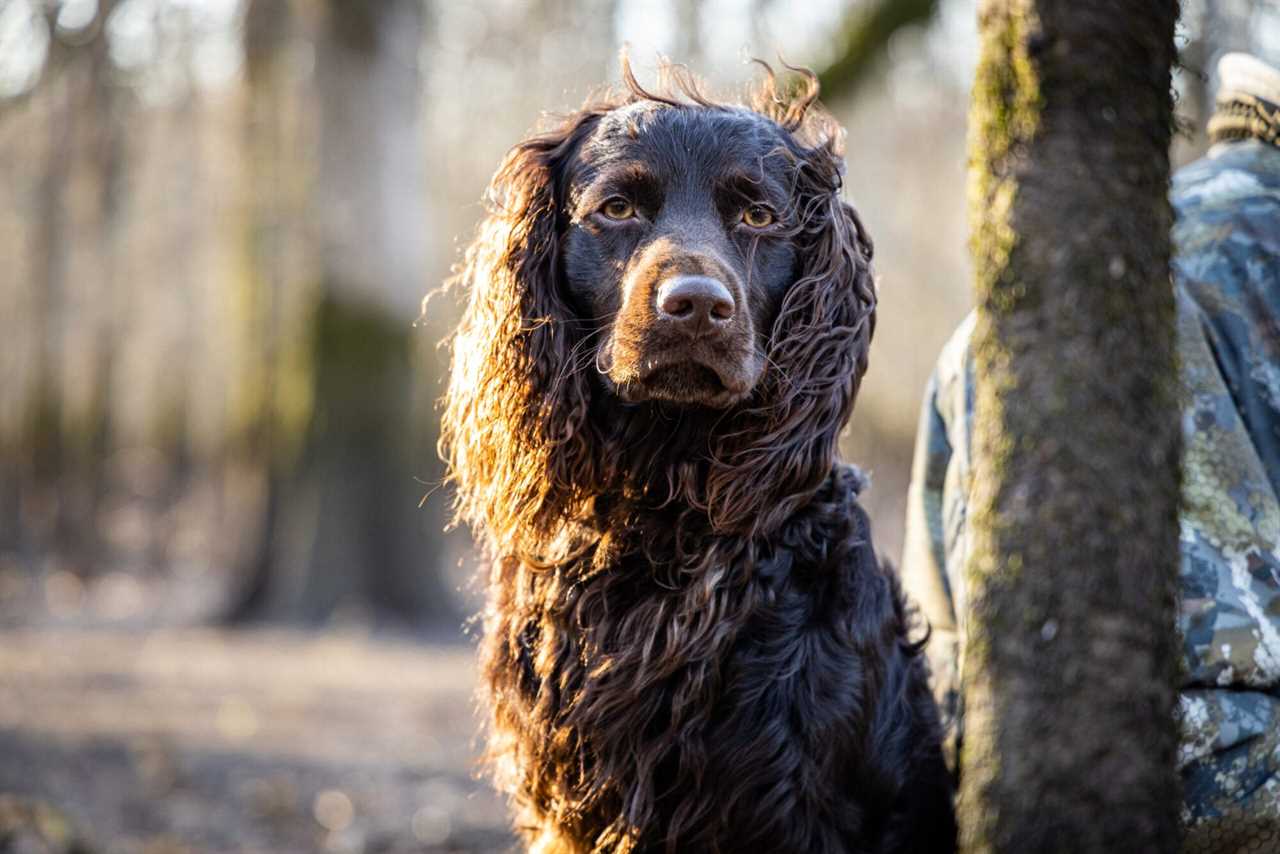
(217, 419)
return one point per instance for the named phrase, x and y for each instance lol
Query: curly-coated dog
(688, 644)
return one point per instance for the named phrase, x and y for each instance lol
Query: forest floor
(187, 742)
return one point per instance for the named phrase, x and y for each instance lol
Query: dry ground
(207, 741)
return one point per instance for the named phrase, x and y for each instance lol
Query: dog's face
(699, 254)
(678, 249)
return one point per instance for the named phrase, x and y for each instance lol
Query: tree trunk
(343, 531)
(44, 429)
(56, 463)
(104, 108)
(276, 168)
(361, 455)
(1071, 656)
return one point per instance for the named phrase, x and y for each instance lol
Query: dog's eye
(757, 216)
(618, 208)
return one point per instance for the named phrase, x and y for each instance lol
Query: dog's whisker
(570, 366)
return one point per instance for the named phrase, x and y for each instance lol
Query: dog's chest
(654, 705)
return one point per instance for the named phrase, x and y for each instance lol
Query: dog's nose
(695, 303)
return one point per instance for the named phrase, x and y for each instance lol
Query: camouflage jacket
(1227, 279)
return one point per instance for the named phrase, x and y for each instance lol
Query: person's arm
(924, 563)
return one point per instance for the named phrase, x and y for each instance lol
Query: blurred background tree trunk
(103, 111)
(51, 263)
(342, 531)
(1071, 658)
(54, 471)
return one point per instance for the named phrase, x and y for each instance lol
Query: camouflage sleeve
(924, 562)
(1227, 269)
(936, 507)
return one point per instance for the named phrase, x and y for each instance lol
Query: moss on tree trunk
(1070, 669)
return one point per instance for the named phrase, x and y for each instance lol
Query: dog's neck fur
(656, 466)
(698, 627)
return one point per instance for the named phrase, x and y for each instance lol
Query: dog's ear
(514, 429)
(817, 355)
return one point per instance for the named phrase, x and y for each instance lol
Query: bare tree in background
(104, 106)
(53, 467)
(342, 527)
(45, 430)
(1071, 657)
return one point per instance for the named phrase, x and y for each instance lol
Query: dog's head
(660, 256)
(679, 248)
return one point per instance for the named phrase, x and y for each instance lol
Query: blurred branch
(864, 36)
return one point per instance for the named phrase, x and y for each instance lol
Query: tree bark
(1071, 656)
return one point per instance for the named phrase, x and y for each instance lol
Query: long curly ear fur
(787, 440)
(514, 431)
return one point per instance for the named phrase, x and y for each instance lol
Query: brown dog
(689, 644)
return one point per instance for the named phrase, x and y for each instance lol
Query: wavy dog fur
(688, 642)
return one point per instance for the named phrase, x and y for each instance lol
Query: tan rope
(1243, 116)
